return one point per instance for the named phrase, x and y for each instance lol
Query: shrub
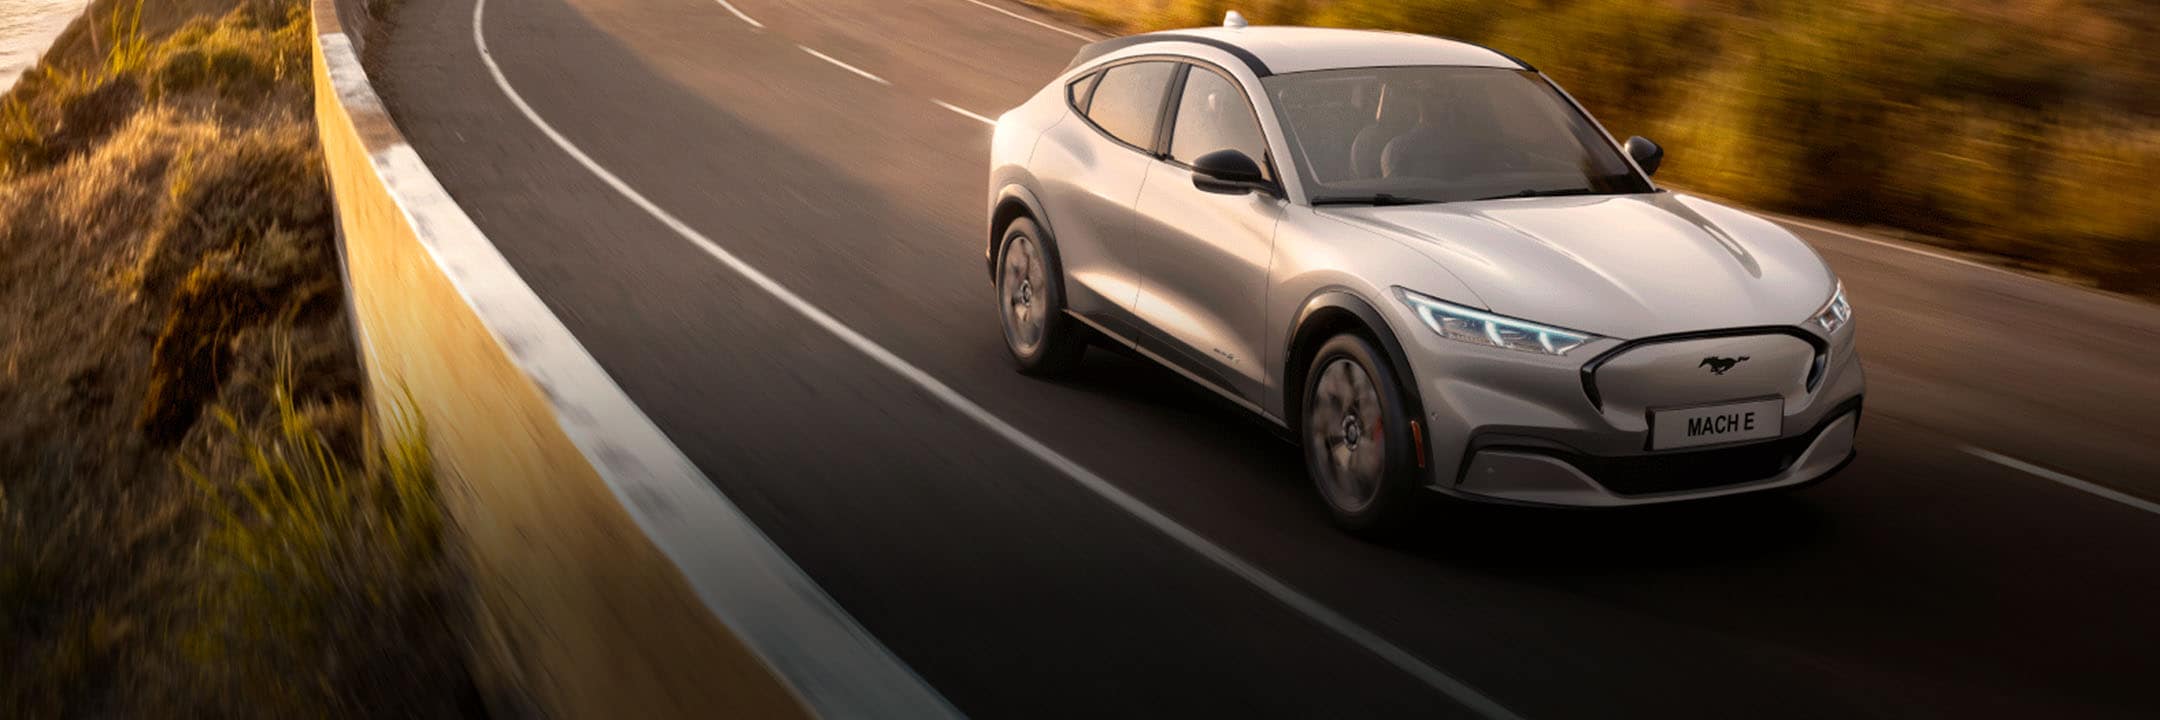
(1624, 60)
(1822, 93)
(321, 570)
(1461, 19)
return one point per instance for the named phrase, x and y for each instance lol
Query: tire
(1031, 303)
(1356, 432)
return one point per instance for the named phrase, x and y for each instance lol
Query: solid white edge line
(842, 65)
(963, 111)
(1321, 614)
(825, 657)
(2065, 480)
(1892, 245)
(1032, 21)
(1847, 234)
(738, 13)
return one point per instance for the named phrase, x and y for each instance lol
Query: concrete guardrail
(612, 579)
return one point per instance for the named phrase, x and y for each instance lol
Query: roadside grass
(324, 574)
(249, 56)
(195, 519)
(2026, 131)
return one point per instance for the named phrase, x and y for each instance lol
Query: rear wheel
(1358, 445)
(1031, 303)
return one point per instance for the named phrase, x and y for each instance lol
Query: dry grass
(327, 579)
(2023, 130)
(169, 298)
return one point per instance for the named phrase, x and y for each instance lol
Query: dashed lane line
(2064, 480)
(740, 14)
(964, 112)
(844, 66)
(1032, 21)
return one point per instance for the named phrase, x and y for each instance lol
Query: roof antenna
(1233, 20)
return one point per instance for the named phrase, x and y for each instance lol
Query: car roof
(1274, 50)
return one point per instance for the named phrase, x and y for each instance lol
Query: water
(26, 28)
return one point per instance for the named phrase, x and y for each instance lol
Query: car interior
(1445, 135)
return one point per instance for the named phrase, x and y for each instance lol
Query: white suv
(1424, 261)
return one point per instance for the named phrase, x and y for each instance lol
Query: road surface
(1991, 553)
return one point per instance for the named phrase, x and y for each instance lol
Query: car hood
(1625, 266)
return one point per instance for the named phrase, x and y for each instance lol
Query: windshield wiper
(1375, 199)
(1543, 193)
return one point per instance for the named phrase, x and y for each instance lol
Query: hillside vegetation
(2027, 130)
(195, 520)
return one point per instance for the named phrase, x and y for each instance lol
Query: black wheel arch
(1014, 202)
(1328, 312)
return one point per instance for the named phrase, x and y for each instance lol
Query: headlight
(1834, 314)
(1478, 327)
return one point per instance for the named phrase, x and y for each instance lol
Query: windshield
(1441, 134)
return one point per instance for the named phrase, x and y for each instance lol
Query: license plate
(1717, 424)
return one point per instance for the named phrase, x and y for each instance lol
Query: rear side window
(1077, 93)
(1128, 99)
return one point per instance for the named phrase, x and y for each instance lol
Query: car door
(1090, 169)
(1206, 255)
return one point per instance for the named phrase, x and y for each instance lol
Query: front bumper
(1542, 476)
(1520, 429)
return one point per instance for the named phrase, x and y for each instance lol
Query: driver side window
(1212, 115)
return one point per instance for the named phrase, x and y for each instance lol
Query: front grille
(1692, 470)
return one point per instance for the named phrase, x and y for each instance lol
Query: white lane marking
(824, 656)
(843, 66)
(1032, 21)
(738, 13)
(1892, 245)
(2065, 480)
(963, 111)
(1281, 592)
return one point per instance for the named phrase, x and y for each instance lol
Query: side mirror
(1228, 172)
(1647, 154)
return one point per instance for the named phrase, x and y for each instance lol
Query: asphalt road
(1953, 570)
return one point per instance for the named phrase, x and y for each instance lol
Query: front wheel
(1031, 303)
(1358, 445)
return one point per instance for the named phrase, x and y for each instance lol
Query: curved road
(1992, 553)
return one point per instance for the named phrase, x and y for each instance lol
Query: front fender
(1339, 298)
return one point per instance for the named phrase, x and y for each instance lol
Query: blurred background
(2023, 129)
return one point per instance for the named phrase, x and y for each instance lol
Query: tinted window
(1212, 115)
(1077, 92)
(1442, 134)
(1128, 99)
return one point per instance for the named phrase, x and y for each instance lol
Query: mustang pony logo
(1719, 365)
